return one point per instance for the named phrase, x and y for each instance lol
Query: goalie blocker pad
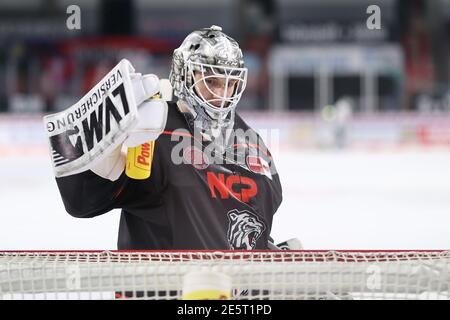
(82, 135)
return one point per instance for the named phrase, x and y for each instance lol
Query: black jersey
(188, 205)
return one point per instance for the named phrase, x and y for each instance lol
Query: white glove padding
(144, 86)
(152, 118)
(152, 121)
(112, 166)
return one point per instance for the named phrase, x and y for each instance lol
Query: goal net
(257, 275)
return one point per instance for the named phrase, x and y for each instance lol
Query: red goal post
(254, 274)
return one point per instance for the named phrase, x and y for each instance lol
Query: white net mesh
(254, 274)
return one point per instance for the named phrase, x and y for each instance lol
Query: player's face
(212, 88)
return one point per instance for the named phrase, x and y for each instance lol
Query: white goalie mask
(208, 74)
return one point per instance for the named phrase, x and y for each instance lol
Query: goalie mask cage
(255, 274)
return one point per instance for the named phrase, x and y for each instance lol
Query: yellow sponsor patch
(139, 161)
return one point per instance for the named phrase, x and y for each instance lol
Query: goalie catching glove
(152, 116)
(124, 108)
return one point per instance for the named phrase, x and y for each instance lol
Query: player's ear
(232, 215)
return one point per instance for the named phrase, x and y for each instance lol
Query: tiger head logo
(244, 229)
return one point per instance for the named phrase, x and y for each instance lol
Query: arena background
(354, 100)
